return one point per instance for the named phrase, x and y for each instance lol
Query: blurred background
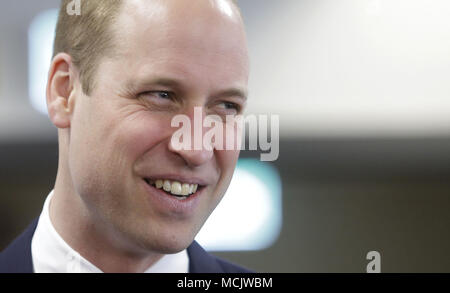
(362, 90)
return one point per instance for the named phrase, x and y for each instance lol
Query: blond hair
(86, 37)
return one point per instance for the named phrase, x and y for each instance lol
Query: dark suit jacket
(16, 258)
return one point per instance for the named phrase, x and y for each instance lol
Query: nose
(194, 151)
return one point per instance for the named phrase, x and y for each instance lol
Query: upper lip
(179, 178)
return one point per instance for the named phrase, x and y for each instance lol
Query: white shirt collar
(51, 254)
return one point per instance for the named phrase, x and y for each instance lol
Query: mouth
(176, 189)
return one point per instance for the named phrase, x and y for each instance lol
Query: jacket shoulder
(201, 261)
(16, 258)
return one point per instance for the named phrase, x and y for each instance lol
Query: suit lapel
(202, 262)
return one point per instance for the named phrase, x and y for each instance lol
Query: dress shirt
(51, 254)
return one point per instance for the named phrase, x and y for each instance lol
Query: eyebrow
(233, 92)
(136, 85)
(174, 83)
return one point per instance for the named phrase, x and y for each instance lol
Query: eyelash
(170, 96)
(233, 106)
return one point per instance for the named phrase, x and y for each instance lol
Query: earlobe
(60, 90)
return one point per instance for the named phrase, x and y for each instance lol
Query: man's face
(171, 56)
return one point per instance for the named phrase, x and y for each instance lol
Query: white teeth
(167, 186)
(176, 187)
(185, 189)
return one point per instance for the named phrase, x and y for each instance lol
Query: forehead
(182, 36)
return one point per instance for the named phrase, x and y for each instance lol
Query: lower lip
(170, 204)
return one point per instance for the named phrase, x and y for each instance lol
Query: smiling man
(125, 199)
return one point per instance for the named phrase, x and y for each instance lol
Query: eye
(230, 107)
(163, 95)
(158, 97)
(159, 94)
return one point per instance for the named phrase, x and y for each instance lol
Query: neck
(91, 237)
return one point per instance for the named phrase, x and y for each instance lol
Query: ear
(60, 90)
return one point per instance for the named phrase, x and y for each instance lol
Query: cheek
(140, 134)
(227, 158)
(227, 162)
(106, 143)
(228, 153)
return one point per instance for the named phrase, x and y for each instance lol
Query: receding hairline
(92, 36)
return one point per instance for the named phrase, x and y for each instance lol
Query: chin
(161, 235)
(170, 245)
(168, 241)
